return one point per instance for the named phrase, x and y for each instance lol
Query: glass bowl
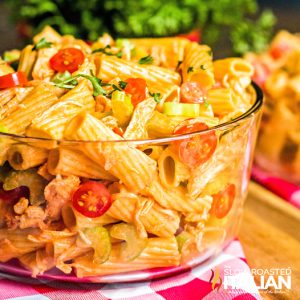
(182, 215)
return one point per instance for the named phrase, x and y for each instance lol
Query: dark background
(287, 13)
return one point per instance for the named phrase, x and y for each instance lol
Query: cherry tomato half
(13, 79)
(92, 199)
(279, 49)
(68, 59)
(136, 87)
(192, 92)
(223, 201)
(198, 149)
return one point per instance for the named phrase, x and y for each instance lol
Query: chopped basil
(61, 77)
(42, 43)
(147, 60)
(190, 69)
(157, 97)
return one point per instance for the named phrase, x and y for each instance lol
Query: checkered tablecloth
(226, 276)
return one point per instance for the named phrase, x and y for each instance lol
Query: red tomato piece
(13, 79)
(193, 36)
(197, 149)
(68, 59)
(192, 92)
(136, 87)
(223, 201)
(92, 199)
(13, 195)
(278, 50)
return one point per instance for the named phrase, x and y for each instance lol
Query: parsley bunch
(150, 18)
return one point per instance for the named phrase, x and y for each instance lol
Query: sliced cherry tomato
(13, 195)
(92, 199)
(198, 149)
(193, 36)
(279, 49)
(223, 201)
(192, 92)
(68, 59)
(136, 87)
(118, 131)
(12, 80)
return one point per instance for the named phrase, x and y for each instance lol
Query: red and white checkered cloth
(233, 282)
(284, 189)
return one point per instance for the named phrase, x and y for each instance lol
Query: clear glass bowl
(169, 203)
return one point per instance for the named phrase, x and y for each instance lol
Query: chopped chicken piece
(34, 217)
(58, 192)
(21, 206)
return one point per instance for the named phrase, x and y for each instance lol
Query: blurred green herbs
(131, 18)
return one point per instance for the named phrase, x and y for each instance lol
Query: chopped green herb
(157, 97)
(72, 82)
(147, 60)
(122, 84)
(109, 53)
(202, 67)
(42, 43)
(61, 77)
(190, 69)
(178, 64)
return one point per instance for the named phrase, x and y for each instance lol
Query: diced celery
(100, 242)
(29, 178)
(133, 245)
(122, 107)
(182, 239)
(181, 109)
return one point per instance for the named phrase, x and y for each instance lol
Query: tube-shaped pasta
(15, 243)
(76, 221)
(6, 95)
(160, 252)
(141, 115)
(14, 103)
(160, 80)
(52, 122)
(136, 171)
(42, 69)
(49, 34)
(197, 65)
(34, 104)
(156, 219)
(221, 100)
(23, 157)
(66, 161)
(27, 60)
(152, 151)
(235, 67)
(171, 171)
(178, 199)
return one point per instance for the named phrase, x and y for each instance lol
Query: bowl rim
(252, 111)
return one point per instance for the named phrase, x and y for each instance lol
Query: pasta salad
(112, 158)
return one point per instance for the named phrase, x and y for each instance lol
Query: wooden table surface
(270, 235)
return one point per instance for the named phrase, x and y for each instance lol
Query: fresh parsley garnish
(109, 53)
(157, 97)
(190, 69)
(72, 82)
(178, 64)
(202, 67)
(122, 84)
(147, 60)
(42, 43)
